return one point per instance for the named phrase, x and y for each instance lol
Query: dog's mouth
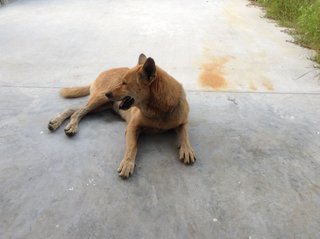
(126, 103)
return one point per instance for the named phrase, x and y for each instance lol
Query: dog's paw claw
(186, 155)
(126, 168)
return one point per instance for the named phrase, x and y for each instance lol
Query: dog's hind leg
(57, 121)
(93, 104)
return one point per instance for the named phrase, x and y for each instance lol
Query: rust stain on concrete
(267, 84)
(252, 86)
(212, 74)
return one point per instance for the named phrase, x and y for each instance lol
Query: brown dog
(147, 97)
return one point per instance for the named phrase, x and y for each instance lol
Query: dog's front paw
(186, 155)
(126, 168)
(54, 124)
(71, 129)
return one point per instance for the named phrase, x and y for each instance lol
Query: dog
(145, 96)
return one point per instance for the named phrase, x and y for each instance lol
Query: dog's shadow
(164, 144)
(167, 139)
(108, 116)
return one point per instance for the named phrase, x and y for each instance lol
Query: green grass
(302, 15)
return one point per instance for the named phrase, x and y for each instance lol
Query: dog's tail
(75, 92)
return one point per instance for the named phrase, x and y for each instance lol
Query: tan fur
(159, 104)
(75, 92)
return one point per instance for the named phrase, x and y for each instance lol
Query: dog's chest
(160, 125)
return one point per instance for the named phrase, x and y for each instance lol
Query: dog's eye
(124, 83)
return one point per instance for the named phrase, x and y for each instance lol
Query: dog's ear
(142, 59)
(148, 70)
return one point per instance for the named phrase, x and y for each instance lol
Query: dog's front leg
(127, 164)
(186, 153)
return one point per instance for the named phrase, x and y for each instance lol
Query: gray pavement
(257, 139)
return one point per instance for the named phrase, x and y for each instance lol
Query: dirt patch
(212, 74)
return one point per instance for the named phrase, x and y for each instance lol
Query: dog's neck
(152, 111)
(165, 96)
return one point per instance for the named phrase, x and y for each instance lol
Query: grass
(301, 15)
(3, 2)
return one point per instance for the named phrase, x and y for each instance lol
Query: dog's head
(134, 86)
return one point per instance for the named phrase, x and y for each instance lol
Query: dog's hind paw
(126, 168)
(71, 129)
(186, 155)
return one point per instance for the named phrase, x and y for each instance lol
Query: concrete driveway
(254, 124)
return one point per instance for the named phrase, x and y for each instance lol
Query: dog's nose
(109, 95)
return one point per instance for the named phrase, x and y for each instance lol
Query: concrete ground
(254, 124)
